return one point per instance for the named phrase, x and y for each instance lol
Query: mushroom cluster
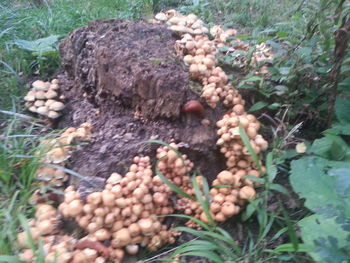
(199, 53)
(230, 142)
(45, 223)
(126, 211)
(220, 35)
(57, 152)
(57, 247)
(181, 24)
(44, 99)
(231, 193)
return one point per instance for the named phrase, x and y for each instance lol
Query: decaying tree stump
(126, 79)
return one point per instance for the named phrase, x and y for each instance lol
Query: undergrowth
(298, 97)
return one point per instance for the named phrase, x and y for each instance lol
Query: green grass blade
(247, 144)
(204, 203)
(212, 256)
(196, 220)
(172, 186)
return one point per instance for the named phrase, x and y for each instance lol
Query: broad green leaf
(332, 147)
(40, 46)
(342, 109)
(317, 231)
(339, 129)
(310, 181)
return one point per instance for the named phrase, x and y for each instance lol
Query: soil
(125, 78)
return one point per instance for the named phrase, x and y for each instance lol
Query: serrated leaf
(316, 230)
(310, 181)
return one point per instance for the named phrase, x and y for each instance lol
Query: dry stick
(341, 36)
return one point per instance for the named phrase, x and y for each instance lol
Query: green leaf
(204, 202)
(40, 46)
(172, 186)
(339, 129)
(258, 106)
(342, 181)
(212, 256)
(271, 169)
(342, 110)
(316, 231)
(246, 143)
(248, 211)
(310, 180)
(279, 188)
(290, 248)
(332, 147)
(196, 220)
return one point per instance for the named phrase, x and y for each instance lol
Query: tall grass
(26, 21)
(32, 20)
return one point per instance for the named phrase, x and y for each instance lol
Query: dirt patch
(126, 79)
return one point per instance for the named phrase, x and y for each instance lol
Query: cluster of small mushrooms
(200, 55)
(130, 211)
(44, 99)
(57, 152)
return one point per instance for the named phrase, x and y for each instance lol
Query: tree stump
(125, 78)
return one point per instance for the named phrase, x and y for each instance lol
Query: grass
(24, 20)
(18, 164)
(270, 235)
(27, 20)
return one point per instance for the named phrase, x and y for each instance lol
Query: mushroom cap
(226, 177)
(39, 103)
(161, 16)
(30, 96)
(40, 95)
(54, 86)
(51, 94)
(40, 85)
(247, 192)
(57, 155)
(43, 110)
(53, 114)
(132, 249)
(49, 102)
(32, 108)
(56, 106)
